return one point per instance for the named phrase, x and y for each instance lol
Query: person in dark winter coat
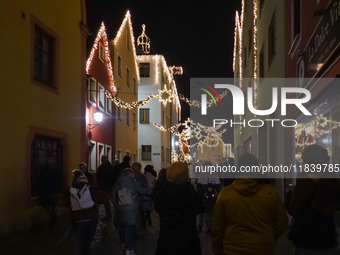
(84, 210)
(161, 181)
(312, 206)
(177, 204)
(124, 197)
(119, 169)
(49, 184)
(105, 176)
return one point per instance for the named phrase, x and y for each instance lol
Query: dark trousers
(86, 231)
(127, 234)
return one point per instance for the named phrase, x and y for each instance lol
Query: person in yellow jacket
(249, 216)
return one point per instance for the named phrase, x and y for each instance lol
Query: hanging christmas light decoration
(165, 96)
(102, 35)
(144, 41)
(176, 70)
(197, 104)
(316, 128)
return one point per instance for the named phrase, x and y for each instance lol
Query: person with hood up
(312, 206)
(124, 197)
(177, 204)
(248, 216)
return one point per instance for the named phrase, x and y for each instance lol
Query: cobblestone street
(61, 240)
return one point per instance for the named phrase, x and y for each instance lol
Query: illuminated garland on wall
(102, 34)
(119, 34)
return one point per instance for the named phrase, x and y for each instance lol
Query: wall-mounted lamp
(98, 117)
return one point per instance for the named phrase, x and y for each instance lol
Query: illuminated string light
(192, 131)
(119, 34)
(196, 103)
(315, 128)
(176, 70)
(102, 34)
(144, 41)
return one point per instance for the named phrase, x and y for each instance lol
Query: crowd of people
(242, 216)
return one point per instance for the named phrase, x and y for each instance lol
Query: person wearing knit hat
(178, 204)
(178, 173)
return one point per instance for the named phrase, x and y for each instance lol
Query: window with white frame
(92, 91)
(162, 153)
(146, 152)
(93, 156)
(128, 77)
(100, 153)
(101, 97)
(167, 155)
(101, 52)
(119, 155)
(144, 114)
(108, 152)
(108, 105)
(134, 121)
(128, 40)
(134, 87)
(119, 113)
(120, 66)
(134, 157)
(272, 40)
(128, 117)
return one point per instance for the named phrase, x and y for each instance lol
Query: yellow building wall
(126, 136)
(24, 105)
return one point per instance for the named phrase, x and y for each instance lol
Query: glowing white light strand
(102, 34)
(144, 41)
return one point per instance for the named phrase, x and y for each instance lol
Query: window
(162, 120)
(144, 69)
(128, 117)
(119, 155)
(167, 121)
(213, 148)
(101, 97)
(92, 156)
(261, 63)
(41, 148)
(128, 77)
(92, 91)
(108, 105)
(44, 65)
(134, 157)
(119, 113)
(134, 87)
(144, 116)
(101, 52)
(261, 5)
(146, 152)
(167, 155)
(244, 57)
(128, 40)
(108, 152)
(271, 40)
(162, 153)
(120, 66)
(101, 152)
(296, 17)
(134, 122)
(250, 41)
(219, 148)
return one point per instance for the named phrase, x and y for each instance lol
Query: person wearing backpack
(84, 210)
(124, 197)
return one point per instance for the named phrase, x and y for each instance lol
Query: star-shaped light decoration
(165, 96)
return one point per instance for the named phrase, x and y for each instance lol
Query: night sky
(199, 37)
